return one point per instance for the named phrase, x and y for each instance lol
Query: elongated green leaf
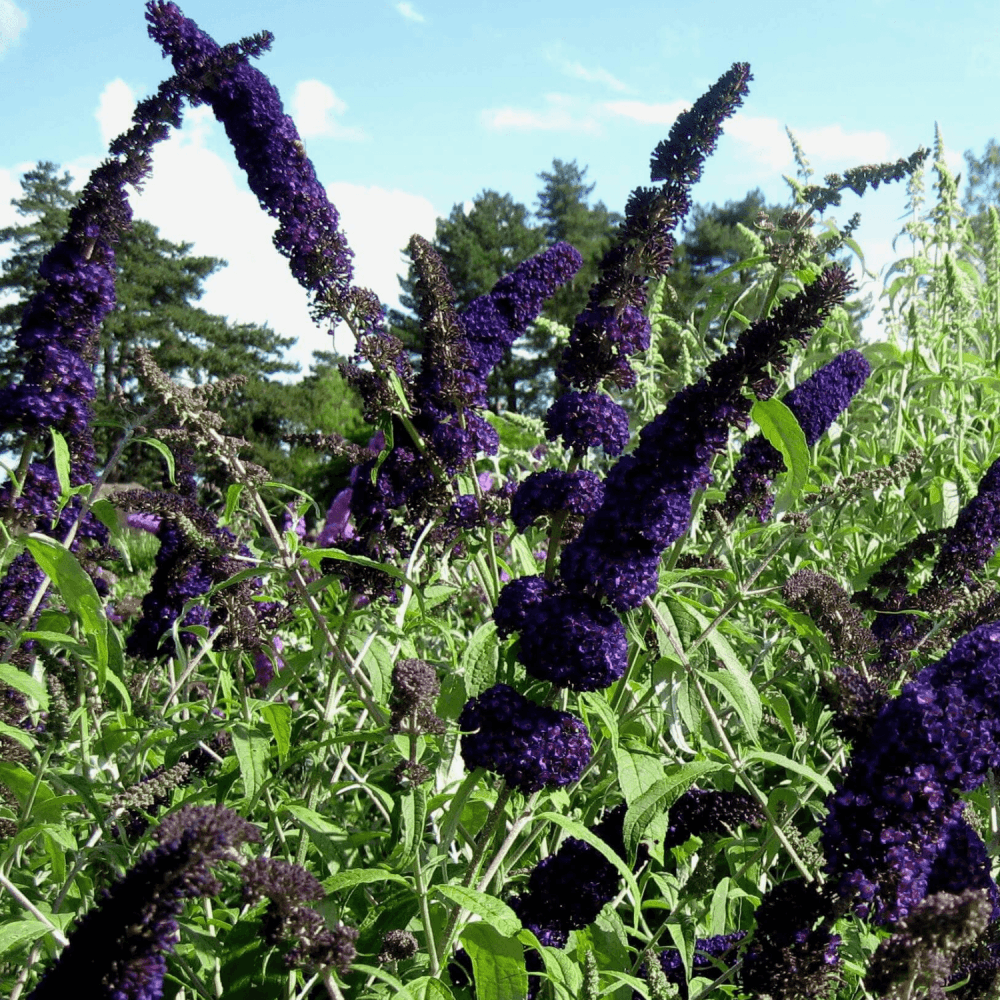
(480, 659)
(497, 963)
(793, 765)
(60, 457)
(360, 876)
(659, 798)
(741, 696)
(76, 587)
(428, 988)
(25, 683)
(19, 932)
(167, 454)
(252, 754)
(778, 424)
(398, 989)
(279, 718)
(500, 915)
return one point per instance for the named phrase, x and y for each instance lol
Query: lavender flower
(971, 542)
(553, 491)
(526, 744)
(116, 949)
(816, 403)
(573, 641)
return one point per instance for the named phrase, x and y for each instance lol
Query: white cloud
(646, 113)
(571, 67)
(410, 12)
(559, 116)
(13, 21)
(10, 187)
(114, 109)
(313, 106)
(828, 146)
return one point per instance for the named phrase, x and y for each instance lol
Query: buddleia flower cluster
(816, 403)
(57, 344)
(895, 831)
(117, 949)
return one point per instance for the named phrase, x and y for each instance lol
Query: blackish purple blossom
(707, 953)
(816, 403)
(553, 491)
(702, 811)
(892, 847)
(573, 642)
(648, 493)
(792, 954)
(494, 321)
(116, 949)
(268, 148)
(970, 544)
(587, 420)
(516, 600)
(528, 745)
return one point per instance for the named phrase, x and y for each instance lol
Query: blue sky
(408, 108)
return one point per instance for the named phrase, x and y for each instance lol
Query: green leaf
(77, 590)
(399, 990)
(597, 703)
(410, 813)
(778, 424)
(18, 735)
(428, 988)
(361, 876)
(743, 697)
(21, 681)
(578, 830)
(232, 500)
(793, 765)
(480, 659)
(279, 718)
(497, 963)
(20, 932)
(167, 454)
(252, 754)
(60, 457)
(499, 914)
(637, 772)
(659, 798)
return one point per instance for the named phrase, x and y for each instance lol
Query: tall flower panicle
(269, 150)
(116, 950)
(891, 848)
(528, 745)
(647, 500)
(816, 403)
(57, 344)
(614, 326)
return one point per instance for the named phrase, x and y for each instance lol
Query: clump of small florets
(554, 491)
(116, 949)
(397, 946)
(830, 607)
(587, 420)
(792, 955)
(516, 599)
(415, 685)
(287, 920)
(700, 811)
(816, 403)
(528, 745)
(923, 948)
(573, 641)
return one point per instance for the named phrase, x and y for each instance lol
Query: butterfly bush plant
(689, 689)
